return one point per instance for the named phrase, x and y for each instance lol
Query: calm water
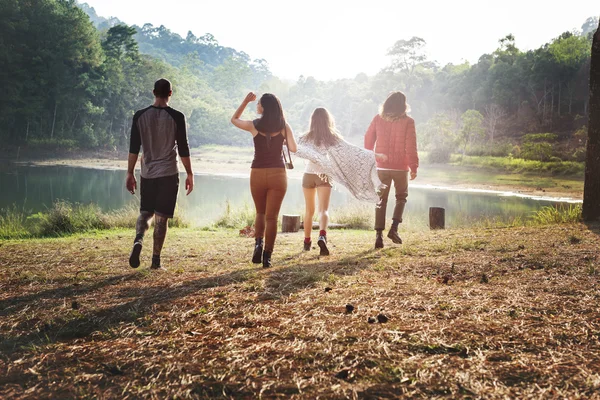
(36, 188)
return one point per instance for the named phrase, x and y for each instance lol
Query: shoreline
(240, 168)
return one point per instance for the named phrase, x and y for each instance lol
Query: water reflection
(36, 188)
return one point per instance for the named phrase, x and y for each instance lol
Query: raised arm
(371, 136)
(290, 140)
(243, 124)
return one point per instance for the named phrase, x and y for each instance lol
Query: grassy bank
(493, 313)
(519, 165)
(65, 218)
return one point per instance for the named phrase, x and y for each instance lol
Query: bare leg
(324, 193)
(309, 200)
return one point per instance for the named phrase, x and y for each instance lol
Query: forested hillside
(74, 78)
(67, 83)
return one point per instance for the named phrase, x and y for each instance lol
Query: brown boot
(393, 234)
(379, 240)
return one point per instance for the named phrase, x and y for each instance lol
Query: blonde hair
(394, 107)
(322, 130)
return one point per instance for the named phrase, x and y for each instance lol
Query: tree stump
(290, 223)
(437, 218)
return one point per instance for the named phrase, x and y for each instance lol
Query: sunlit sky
(331, 39)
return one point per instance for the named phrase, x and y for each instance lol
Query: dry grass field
(479, 313)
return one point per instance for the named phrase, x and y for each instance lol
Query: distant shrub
(515, 152)
(127, 216)
(439, 156)
(52, 144)
(13, 224)
(538, 146)
(236, 218)
(579, 155)
(558, 215)
(65, 218)
(354, 216)
(519, 165)
(499, 149)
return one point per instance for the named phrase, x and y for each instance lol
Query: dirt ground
(479, 313)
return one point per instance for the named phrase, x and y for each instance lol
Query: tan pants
(400, 179)
(268, 187)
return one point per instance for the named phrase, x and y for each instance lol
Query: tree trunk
(27, 131)
(585, 107)
(559, 93)
(53, 120)
(73, 124)
(552, 104)
(591, 189)
(545, 95)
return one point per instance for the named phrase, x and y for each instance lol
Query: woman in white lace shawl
(332, 159)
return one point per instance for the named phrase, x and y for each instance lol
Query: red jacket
(397, 140)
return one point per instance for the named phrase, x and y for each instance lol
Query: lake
(34, 189)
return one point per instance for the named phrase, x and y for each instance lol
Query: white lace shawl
(351, 166)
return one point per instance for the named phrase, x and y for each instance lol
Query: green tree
(472, 128)
(570, 53)
(49, 55)
(538, 146)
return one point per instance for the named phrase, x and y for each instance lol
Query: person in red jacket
(392, 133)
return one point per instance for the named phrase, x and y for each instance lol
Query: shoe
(307, 246)
(266, 259)
(379, 241)
(134, 257)
(258, 252)
(322, 242)
(393, 234)
(156, 266)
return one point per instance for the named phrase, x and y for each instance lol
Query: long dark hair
(272, 119)
(322, 129)
(395, 107)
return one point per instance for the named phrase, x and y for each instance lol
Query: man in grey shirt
(161, 132)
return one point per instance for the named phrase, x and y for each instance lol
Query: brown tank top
(267, 150)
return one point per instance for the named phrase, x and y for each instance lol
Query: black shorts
(159, 195)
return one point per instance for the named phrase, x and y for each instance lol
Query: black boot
(379, 240)
(258, 250)
(266, 259)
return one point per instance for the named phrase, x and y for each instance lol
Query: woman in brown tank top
(268, 179)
